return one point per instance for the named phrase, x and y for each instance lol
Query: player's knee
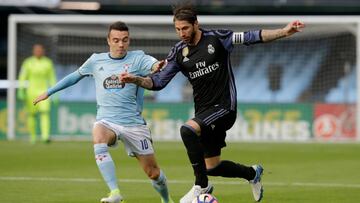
(153, 173)
(98, 138)
(186, 131)
(213, 171)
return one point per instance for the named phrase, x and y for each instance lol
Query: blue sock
(160, 186)
(106, 165)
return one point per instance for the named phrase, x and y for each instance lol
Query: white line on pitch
(296, 184)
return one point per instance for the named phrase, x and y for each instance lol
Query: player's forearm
(144, 82)
(270, 35)
(68, 81)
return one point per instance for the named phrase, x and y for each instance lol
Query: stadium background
(321, 63)
(301, 89)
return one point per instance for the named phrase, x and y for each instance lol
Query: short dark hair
(118, 25)
(185, 12)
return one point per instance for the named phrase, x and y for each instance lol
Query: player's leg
(44, 110)
(31, 120)
(138, 143)
(214, 142)
(229, 169)
(157, 176)
(225, 168)
(31, 124)
(45, 126)
(102, 137)
(190, 134)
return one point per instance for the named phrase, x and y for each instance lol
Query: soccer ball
(205, 198)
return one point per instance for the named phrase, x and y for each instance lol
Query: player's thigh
(137, 140)
(215, 118)
(44, 106)
(194, 125)
(102, 134)
(214, 123)
(213, 142)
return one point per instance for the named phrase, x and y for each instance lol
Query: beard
(192, 37)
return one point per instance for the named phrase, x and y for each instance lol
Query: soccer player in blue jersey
(203, 56)
(119, 109)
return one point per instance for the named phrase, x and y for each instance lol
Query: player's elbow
(156, 88)
(158, 85)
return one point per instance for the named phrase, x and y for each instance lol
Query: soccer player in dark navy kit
(203, 56)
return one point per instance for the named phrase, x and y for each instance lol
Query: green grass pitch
(65, 172)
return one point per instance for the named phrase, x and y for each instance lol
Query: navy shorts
(214, 122)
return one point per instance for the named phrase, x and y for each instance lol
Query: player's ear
(196, 25)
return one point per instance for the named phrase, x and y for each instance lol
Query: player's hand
(158, 66)
(119, 78)
(293, 27)
(125, 77)
(40, 98)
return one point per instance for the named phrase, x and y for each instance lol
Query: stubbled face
(186, 31)
(118, 42)
(38, 50)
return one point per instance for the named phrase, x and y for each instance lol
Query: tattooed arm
(289, 29)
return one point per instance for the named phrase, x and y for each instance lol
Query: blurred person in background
(36, 76)
(119, 109)
(203, 56)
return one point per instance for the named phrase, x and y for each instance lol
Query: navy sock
(230, 169)
(195, 154)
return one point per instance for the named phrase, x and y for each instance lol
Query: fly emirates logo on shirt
(203, 69)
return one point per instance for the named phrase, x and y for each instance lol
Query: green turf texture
(65, 172)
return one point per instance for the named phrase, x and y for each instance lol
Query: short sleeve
(225, 36)
(145, 64)
(87, 68)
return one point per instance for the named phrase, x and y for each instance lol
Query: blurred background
(297, 89)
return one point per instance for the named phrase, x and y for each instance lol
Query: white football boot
(114, 197)
(255, 184)
(195, 191)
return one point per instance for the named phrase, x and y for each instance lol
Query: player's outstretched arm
(67, 81)
(40, 98)
(290, 29)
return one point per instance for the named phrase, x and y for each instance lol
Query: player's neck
(115, 56)
(197, 38)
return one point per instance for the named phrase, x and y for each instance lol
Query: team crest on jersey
(112, 83)
(185, 52)
(211, 49)
(127, 66)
